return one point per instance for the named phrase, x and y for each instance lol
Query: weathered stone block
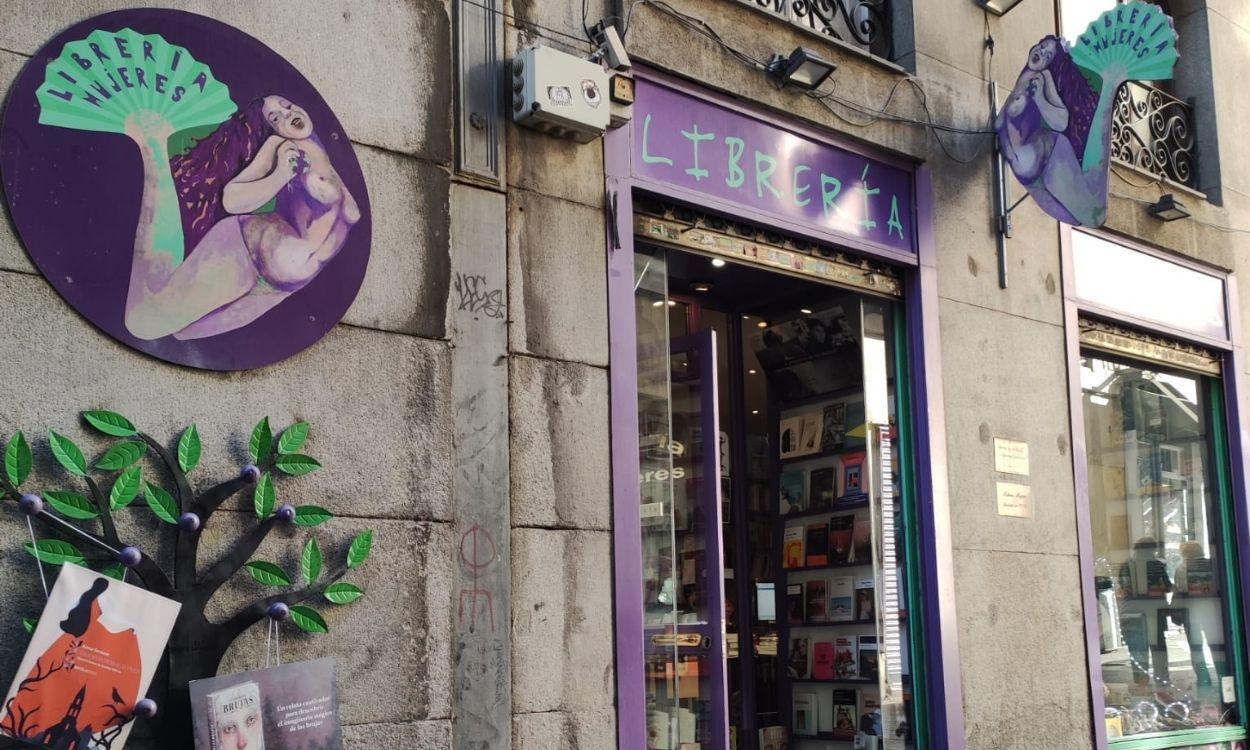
(421, 735)
(557, 167)
(1011, 382)
(560, 449)
(1022, 651)
(400, 627)
(384, 438)
(562, 631)
(380, 66)
(558, 730)
(405, 287)
(557, 279)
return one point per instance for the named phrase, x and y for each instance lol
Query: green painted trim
(1182, 739)
(905, 459)
(1228, 539)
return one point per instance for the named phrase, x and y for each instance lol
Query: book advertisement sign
(90, 660)
(289, 707)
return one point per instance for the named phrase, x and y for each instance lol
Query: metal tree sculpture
(196, 646)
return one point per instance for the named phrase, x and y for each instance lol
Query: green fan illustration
(241, 206)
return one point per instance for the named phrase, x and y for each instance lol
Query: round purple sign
(185, 189)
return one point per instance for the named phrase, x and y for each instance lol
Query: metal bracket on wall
(1002, 212)
(479, 116)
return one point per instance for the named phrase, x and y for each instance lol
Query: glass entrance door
(775, 559)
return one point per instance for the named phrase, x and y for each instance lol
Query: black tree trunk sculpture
(197, 645)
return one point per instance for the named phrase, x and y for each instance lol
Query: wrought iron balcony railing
(861, 23)
(1153, 131)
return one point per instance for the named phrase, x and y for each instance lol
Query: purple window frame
(1232, 356)
(941, 647)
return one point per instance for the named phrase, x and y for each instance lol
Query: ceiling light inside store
(805, 311)
(718, 263)
(762, 324)
(701, 286)
(672, 303)
(803, 68)
(750, 372)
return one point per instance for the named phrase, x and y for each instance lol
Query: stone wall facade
(378, 389)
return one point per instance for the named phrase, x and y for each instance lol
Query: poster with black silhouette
(90, 660)
(289, 707)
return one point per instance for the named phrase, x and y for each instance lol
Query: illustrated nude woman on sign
(238, 264)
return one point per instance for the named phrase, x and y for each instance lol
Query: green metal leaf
(261, 442)
(265, 496)
(311, 515)
(310, 561)
(343, 593)
(161, 502)
(17, 460)
(110, 423)
(126, 488)
(297, 464)
(115, 571)
(362, 545)
(67, 453)
(29, 625)
(268, 573)
(71, 504)
(308, 619)
(293, 438)
(122, 455)
(55, 552)
(189, 450)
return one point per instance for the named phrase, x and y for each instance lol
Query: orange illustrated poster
(89, 662)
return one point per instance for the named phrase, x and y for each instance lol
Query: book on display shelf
(861, 539)
(792, 546)
(870, 716)
(809, 440)
(833, 434)
(796, 605)
(792, 491)
(845, 657)
(798, 660)
(817, 544)
(822, 660)
(816, 610)
(805, 714)
(841, 599)
(1200, 577)
(822, 489)
(790, 437)
(774, 738)
(865, 599)
(845, 714)
(854, 477)
(868, 657)
(841, 529)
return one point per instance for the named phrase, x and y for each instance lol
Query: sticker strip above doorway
(1106, 337)
(773, 252)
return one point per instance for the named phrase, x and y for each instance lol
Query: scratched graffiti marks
(478, 552)
(476, 296)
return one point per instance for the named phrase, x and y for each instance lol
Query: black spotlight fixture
(803, 68)
(1168, 208)
(998, 7)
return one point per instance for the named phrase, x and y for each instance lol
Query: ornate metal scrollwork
(863, 23)
(1153, 131)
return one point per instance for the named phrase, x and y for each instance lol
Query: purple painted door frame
(1233, 361)
(941, 653)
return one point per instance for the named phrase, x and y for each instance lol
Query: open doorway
(775, 564)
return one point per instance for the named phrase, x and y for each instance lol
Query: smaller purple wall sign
(705, 148)
(185, 189)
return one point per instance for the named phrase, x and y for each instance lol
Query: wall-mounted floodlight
(803, 68)
(999, 7)
(1168, 208)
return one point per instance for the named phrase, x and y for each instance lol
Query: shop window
(1163, 547)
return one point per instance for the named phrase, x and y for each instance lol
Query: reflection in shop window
(1156, 532)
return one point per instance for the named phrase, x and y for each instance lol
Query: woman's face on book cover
(242, 731)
